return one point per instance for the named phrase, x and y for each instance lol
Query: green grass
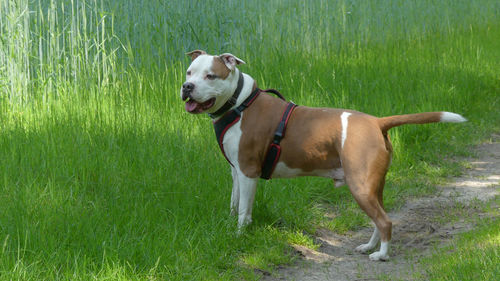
(473, 256)
(104, 176)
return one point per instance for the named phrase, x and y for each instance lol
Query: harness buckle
(277, 137)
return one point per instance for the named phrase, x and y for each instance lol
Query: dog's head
(210, 81)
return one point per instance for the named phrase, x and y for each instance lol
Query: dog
(347, 146)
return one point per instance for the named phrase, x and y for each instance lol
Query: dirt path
(417, 227)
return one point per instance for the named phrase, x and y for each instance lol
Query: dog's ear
(230, 60)
(194, 54)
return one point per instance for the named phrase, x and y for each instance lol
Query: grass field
(474, 256)
(104, 176)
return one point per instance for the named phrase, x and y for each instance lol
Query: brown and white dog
(345, 145)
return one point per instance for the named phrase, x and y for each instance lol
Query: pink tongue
(191, 106)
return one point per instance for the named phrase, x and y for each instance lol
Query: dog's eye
(211, 76)
(188, 73)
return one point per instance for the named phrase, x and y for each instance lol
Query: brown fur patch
(311, 142)
(219, 68)
(312, 139)
(257, 125)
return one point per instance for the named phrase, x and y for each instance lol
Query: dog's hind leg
(364, 248)
(365, 176)
(383, 224)
(366, 194)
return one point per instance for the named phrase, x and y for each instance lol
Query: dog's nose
(188, 86)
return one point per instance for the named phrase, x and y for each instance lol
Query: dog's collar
(232, 100)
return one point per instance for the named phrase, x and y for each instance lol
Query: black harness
(233, 116)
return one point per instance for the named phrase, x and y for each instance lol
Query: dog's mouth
(193, 106)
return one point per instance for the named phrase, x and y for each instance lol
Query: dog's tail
(389, 122)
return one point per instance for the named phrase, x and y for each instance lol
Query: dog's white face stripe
(344, 117)
(197, 71)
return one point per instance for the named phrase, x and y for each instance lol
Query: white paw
(244, 221)
(378, 256)
(363, 248)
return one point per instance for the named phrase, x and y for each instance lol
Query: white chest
(231, 143)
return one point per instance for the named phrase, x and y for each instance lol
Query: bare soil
(418, 227)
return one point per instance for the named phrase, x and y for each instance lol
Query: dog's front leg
(247, 188)
(235, 195)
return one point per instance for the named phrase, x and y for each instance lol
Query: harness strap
(273, 91)
(274, 151)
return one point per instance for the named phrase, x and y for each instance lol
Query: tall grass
(104, 176)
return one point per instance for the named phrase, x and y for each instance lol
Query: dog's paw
(378, 256)
(364, 248)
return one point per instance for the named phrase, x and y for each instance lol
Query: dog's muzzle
(192, 105)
